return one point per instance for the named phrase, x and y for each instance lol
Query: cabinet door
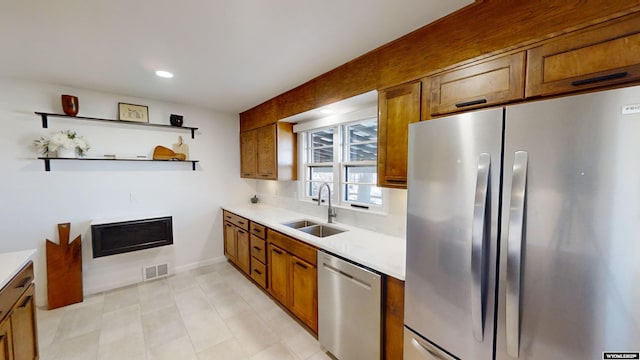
(6, 351)
(248, 154)
(600, 56)
(279, 263)
(304, 292)
(230, 248)
(267, 152)
(493, 82)
(243, 255)
(398, 107)
(23, 327)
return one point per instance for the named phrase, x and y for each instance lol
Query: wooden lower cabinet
(18, 330)
(393, 318)
(6, 340)
(279, 271)
(304, 292)
(236, 241)
(293, 281)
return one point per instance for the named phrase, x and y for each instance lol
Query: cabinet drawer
(10, 294)
(258, 230)
(236, 220)
(491, 82)
(258, 249)
(259, 273)
(600, 56)
(293, 246)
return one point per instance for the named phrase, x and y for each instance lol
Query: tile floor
(212, 312)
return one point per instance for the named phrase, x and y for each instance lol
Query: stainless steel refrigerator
(523, 233)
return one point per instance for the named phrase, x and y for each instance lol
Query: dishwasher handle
(350, 277)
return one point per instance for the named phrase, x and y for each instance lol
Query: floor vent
(155, 272)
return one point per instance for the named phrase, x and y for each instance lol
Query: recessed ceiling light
(326, 111)
(164, 74)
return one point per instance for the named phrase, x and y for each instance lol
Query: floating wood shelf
(45, 122)
(47, 161)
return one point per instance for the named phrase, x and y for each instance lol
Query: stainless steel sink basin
(299, 224)
(321, 230)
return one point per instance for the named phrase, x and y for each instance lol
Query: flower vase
(66, 153)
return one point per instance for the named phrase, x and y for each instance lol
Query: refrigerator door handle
(478, 246)
(514, 251)
(428, 351)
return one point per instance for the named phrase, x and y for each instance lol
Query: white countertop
(11, 263)
(383, 253)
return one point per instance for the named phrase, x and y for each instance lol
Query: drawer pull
(26, 302)
(241, 222)
(396, 181)
(277, 251)
(301, 265)
(600, 78)
(257, 248)
(257, 231)
(265, 175)
(25, 282)
(470, 103)
(246, 174)
(257, 271)
(241, 231)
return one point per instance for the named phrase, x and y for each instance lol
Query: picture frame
(133, 112)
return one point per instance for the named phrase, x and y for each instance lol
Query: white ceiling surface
(227, 55)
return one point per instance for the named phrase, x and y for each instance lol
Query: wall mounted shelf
(45, 122)
(47, 161)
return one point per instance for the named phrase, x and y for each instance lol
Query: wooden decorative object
(64, 269)
(181, 147)
(163, 153)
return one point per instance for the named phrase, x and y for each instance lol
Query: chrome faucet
(331, 211)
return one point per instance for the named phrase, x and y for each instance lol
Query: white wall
(34, 201)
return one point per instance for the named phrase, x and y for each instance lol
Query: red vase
(70, 105)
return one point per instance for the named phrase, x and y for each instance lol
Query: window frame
(340, 165)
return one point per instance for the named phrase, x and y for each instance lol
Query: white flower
(64, 139)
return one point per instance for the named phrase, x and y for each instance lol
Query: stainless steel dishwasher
(349, 309)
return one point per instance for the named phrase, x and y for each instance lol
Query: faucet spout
(331, 211)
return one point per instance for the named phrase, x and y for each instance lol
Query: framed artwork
(131, 112)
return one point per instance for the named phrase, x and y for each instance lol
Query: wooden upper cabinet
(603, 55)
(248, 153)
(397, 108)
(269, 153)
(492, 82)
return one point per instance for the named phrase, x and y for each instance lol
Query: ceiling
(227, 55)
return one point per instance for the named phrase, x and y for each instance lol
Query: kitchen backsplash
(285, 194)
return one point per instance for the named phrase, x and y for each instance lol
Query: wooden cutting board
(64, 269)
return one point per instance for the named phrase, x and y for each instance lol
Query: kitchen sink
(313, 228)
(321, 230)
(299, 224)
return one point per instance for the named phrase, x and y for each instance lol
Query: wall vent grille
(155, 272)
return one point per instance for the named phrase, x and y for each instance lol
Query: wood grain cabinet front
(18, 330)
(6, 340)
(487, 83)
(293, 276)
(236, 241)
(397, 107)
(269, 152)
(603, 55)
